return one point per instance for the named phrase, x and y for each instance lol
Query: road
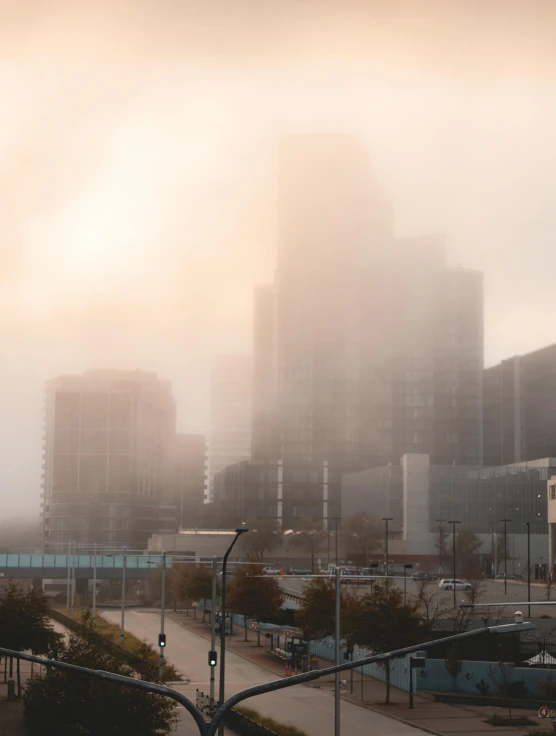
(308, 707)
(493, 593)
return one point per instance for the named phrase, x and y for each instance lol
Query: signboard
(253, 625)
(287, 633)
(546, 712)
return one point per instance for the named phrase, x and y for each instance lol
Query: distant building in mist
(107, 438)
(188, 477)
(366, 346)
(230, 413)
(519, 408)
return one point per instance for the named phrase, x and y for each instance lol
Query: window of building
(553, 493)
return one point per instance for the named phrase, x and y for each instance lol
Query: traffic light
(212, 659)
(162, 640)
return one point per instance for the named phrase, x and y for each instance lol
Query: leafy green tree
(310, 537)
(67, 704)
(387, 623)
(255, 597)
(362, 535)
(25, 623)
(317, 612)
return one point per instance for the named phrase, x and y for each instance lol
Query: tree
(507, 687)
(255, 597)
(388, 623)
(317, 612)
(441, 544)
(432, 609)
(310, 537)
(468, 545)
(68, 704)
(453, 663)
(263, 537)
(25, 623)
(362, 535)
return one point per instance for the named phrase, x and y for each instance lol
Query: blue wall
(438, 678)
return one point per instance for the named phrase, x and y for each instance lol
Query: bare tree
(362, 535)
(432, 607)
(310, 537)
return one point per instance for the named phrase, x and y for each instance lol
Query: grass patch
(270, 723)
(496, 720)
(132, 644)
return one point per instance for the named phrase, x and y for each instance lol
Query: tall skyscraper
(230, 413)
(520, 408)
(107, 437)
(188, 478)
(366, 346)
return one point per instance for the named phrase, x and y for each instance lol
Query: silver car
(450, 584)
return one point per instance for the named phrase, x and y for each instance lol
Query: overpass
(56, 566)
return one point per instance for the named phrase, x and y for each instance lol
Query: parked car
(354, 576)
(271, 571)
(298, 571)
(424, 576)
(449, 584)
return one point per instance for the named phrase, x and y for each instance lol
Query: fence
(245, 726)
(399, 668)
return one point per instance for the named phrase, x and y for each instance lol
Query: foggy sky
(137, 142)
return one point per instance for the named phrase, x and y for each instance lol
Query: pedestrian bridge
(56, 566)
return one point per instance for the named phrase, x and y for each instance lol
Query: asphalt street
(493, 593)
(306, 706)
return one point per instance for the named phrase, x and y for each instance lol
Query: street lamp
(453, 523)
(239, 531)
(386, 519)
(440, 544)
(528, 525)
(405, 569)
(124, 562)
(505, 554)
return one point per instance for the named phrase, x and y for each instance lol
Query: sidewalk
(428, 715)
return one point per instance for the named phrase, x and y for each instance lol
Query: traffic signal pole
(162, 638)
(213, 629)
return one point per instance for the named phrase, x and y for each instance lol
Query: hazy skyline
(137, 142)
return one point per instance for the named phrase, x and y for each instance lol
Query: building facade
(188, 477)
(107, 435)
(422, 498)
(366, 346)
(520, 408)
(287, 494)
(230, 414)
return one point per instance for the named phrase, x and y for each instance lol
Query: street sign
(544, 712)
(287, 633)
(253, 625)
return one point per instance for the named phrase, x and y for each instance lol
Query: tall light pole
(124, 561)
(505, 554)
(453, 523)
(239, 531)
(95, 585)
(213, 627)
(528, 525)
(386, 519)
(337, 656)
(440, 544)
(161, 638)
(405, 569)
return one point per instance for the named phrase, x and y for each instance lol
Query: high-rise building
(366, 346)
(230, 414)
(107, 437)
(519, 415)
(188, 478)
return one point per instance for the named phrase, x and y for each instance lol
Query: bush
(496, 720)
(270, 723)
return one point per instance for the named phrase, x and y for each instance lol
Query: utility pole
(528, 525)
(213, 627)
(386, 519)
(95, 585)
(440, 544)
(337, 656)
(161, 638)
(124, 561)
(453, 523)
(505, 554)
